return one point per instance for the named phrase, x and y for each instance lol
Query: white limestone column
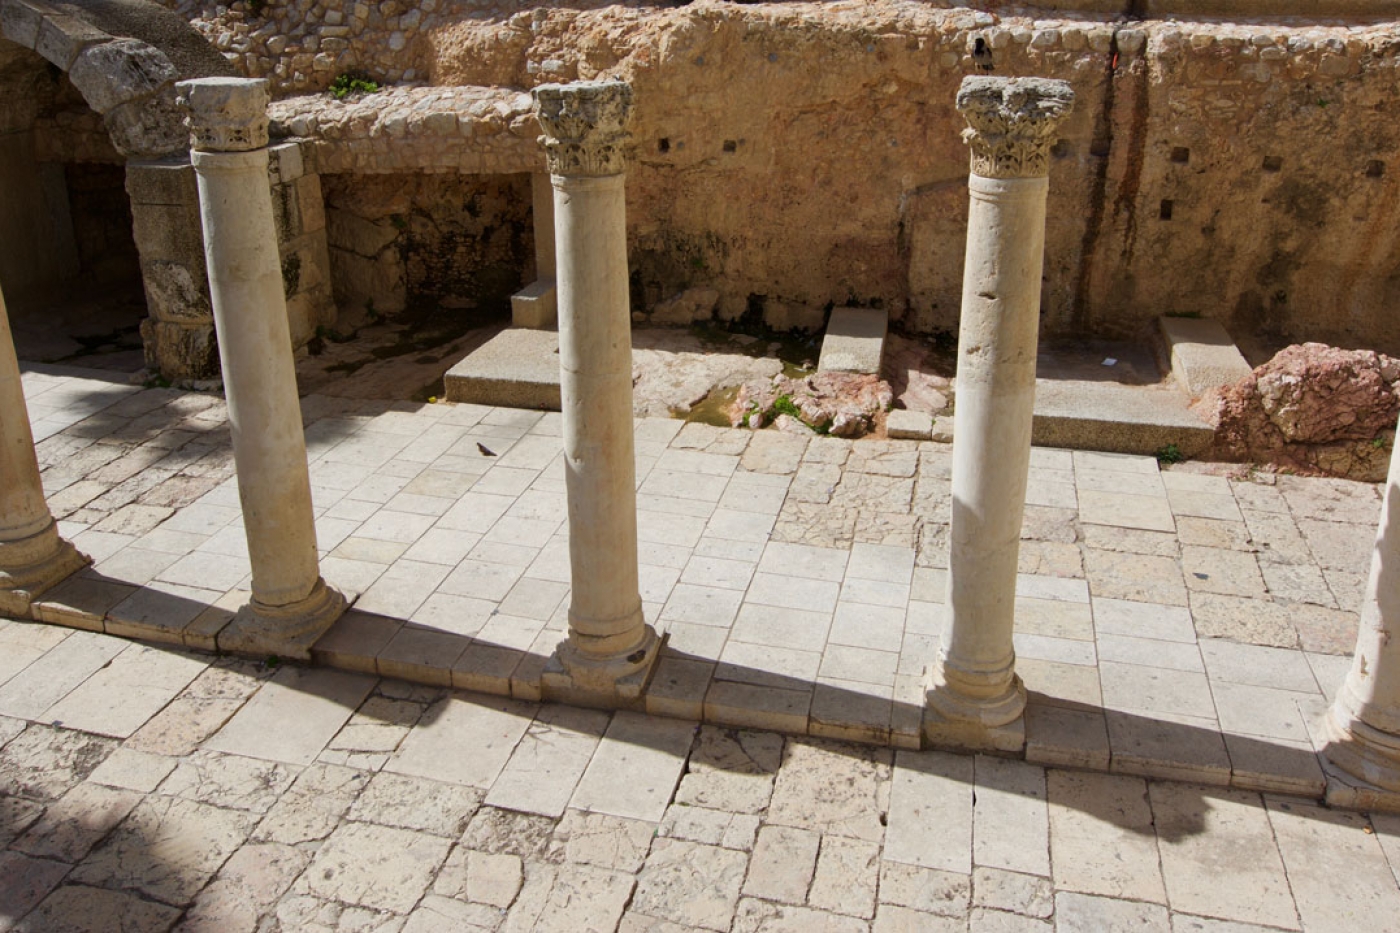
(610, 649)
(291, 605)
(1363, 726)
(974, 698)
(32, 556)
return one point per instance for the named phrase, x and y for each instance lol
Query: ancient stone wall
(800, 155)
(453, 241)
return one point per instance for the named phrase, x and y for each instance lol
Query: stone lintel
(585, 126)
(226, 114)
(1012, 123)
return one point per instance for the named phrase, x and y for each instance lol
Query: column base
(953, 719)
(285, 631)
(608, 683)
(32, 566)
(1361, 762)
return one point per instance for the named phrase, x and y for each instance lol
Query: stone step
(1107, 416)
(1202, 354)
(517, 368)
(854, 341)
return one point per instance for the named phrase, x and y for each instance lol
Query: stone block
(913, 425)
(150, 127)
(168, 182)
(691, 305)
(21, 20)
(1202, 355)
(180, 351)
(854, 341)
(177, 291)
(356, 234)
(518, 368)
(61, 38)
(311, 204)
(285, 162)
(536, 306)
(120, 71)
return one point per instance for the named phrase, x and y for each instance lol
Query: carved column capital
(225, 114)
(1012, 123)
(585, 126)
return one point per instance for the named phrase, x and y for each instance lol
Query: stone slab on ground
(536, 306)
(1202, 354)
(854, 341)
(519, 368)
(902, 424)
(1083, 415)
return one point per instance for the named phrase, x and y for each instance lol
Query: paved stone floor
(1172, 623)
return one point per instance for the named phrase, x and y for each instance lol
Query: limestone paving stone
(463, 740)
(417, 804)
(605, 841)
(731, 770)
(313, 806)
(636, 767)
(76, 822)
(480, 877)
(319, 701)
(247, 885)
(1010, 828)
(504, 832)
(436, 914)
(847, 876)
(43, 762)
(126, 692)
(1081, 913)
(833, 788)
(183, 725)
(1333, 870)
(74, 908)
(931, 789)
(548, 761)
(25, 880)
(782, 864)
(1028, 895)
(47, 680)
(1203, 832)
(711, 827)
(1102, 837)
(374, 866)
(689, 883)
(167, 848)
(928, 890)
(17, 815)
(756, 915)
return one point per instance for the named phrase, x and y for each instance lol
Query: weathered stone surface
(76, 822)
(374, 866)
(833, 788)
(842, 404)
(731, 770)
(75, 907)
(416, 803)
(248, 884)
(120, 71)
(1313, 407)
(167, 848)
(480, 877)
(690, 883)
(43, 762)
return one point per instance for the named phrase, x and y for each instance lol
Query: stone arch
(123, 58)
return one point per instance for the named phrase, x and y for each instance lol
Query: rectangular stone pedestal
(536, 306)
(965, 735)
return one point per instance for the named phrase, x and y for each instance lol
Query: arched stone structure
(124, 57)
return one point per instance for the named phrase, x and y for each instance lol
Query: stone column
(291, 605)
(1363, 726)
(32, 556)
(610, 649)
(974, 698)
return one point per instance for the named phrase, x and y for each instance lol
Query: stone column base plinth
(953, 719)
(32, 566)
(285, 631)
(1362, 764)
(608, 683)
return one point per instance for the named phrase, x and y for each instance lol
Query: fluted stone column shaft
(1363, 725)
(975, 698)
(32, 556)
(291, 604)
(610, 648)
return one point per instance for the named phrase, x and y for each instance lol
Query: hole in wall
(1273, 163)
(1165, 210)
(1181, 154)
(731, 146)
(1061, 149)
(982, 54)
(1099, 147)
(663, 145)
(1375, 168)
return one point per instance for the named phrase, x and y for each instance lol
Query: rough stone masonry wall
(803, 155)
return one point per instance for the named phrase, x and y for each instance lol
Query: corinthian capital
(225, 114)
(1012, 123)
(585, 126)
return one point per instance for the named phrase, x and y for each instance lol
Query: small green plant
(352, 82)
(1170, 454)
(1380, 443)
(783, 405)
(273, 660)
